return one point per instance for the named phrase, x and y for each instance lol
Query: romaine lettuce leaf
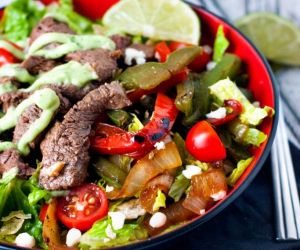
(238, 171)
(96, 237)
(135, 124)
(226, 89)
(160, 201)
(220, 45)
(19, 19)
(179, 186)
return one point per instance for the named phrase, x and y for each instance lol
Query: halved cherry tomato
(204, 144)
(236, 108)
(93, 9)
(199, 62)
(43, 212)
(82, 207)
(163, 51)
(6, 57)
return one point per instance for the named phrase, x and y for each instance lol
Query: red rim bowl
(263, 85)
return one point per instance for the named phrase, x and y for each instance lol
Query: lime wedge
(156, 19)
(276, 37)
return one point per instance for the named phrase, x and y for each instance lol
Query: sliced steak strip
(149, 50)
(121, 42)
(102, 61)
(11, 158)
(12, 99)
(65, 147)
(38, 64)
(47, 25)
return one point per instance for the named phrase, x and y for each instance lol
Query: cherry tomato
(93, 9)
(82, 207)
(204, 144)
(43, 212)
(6, 57)
(163, 51)
(47, 2)
(199, 62)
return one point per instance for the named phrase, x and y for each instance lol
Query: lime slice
(276, 37)
(156, 19)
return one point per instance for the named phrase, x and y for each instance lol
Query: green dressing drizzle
(47, 100)
(69, 43)
(5, 145)
(10, 48)
(17, 72)
(7, 87)
(70, 73)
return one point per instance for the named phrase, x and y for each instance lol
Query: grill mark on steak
(11, 158)
(68, 141)
(101, 60)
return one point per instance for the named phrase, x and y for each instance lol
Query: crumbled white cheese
(210, 65)
(158, 219)
(148, 30)
(157, 56)
(73, 237)
(202, 211)
(190, 171)
(134, 54)
(160, 145)
(217, 114)
(256, 104)
(207, 49)
(218, 196)
(110, 233)
(117, 219)
(109, 188)
(25, 240)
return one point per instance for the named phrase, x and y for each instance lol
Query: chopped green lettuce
(160, 201)
(238, 171)
(64, 12)
(97, 237)
(13, 222)
(19, 19)
(220, 45)
(179, 186)
(226, 89)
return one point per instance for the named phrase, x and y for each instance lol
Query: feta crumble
(134, 54)
(160, 145)
(25, 240)
(118, 219)
(218, 196)
(190, 171)
(217, 114)
(109, 188)
(157, 220)
(110, 233)
(73, 237)
(210, 65)
(202, 211)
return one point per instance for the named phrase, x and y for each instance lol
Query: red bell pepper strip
(113, 140)
(6, 57)
(236, 108)
(163, 51)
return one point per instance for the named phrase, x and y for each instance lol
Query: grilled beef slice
(102, 61)
(121, 42)
(12, 99)
(11, 158)
(47, 25)
(149, 50)
(65, 147)
(38, 64)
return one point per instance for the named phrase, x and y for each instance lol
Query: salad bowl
(262, 84)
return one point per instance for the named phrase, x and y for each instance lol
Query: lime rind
(159, 20)
(276, 37)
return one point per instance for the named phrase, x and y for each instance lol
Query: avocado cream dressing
(67, 44)
(7, 87)
(17, 72)
(70, 73)
(47, 100)
(12, 49)
(5, 145)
